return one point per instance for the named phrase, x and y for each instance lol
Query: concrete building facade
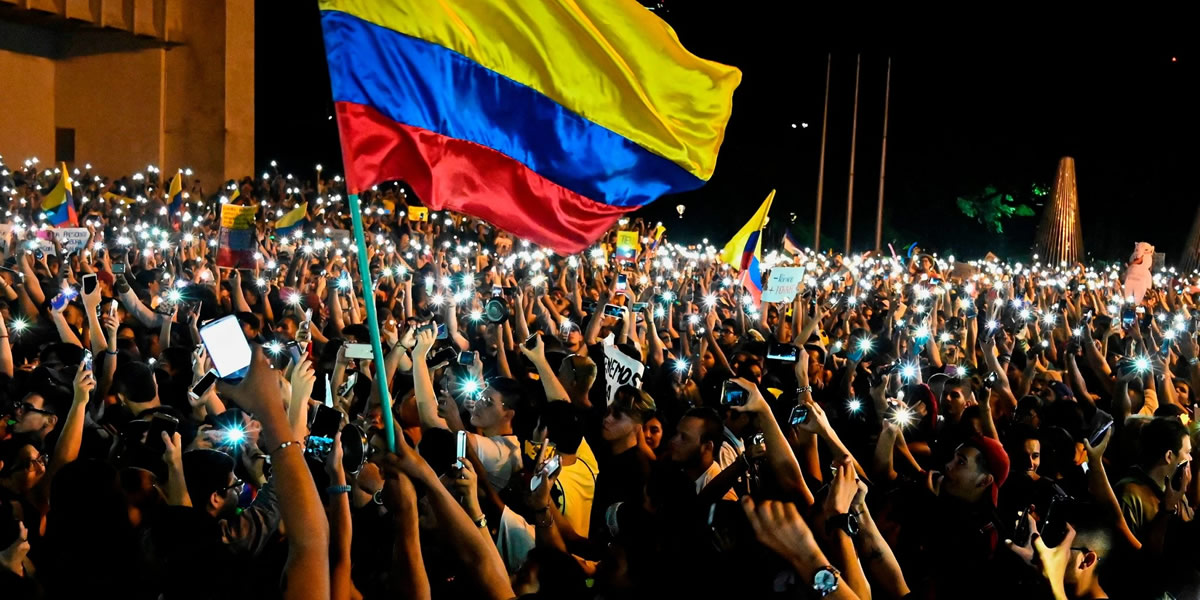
(122, 84)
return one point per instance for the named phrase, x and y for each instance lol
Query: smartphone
(439, 328)
(497, 291)
(203, 385)
(460, 448)
(549, 468)
(1101, 429)
(799, 414)
(58, 302)
(89, 283)
(325, 422)
(1022, 532)
(1128, 318)
(118, 268)
(640, 306)
(87, 360)
(351, 381)
(227, 347)
(359, 351)
(990, 380)
(159, 424)
(293, 349)
(622, 283)
(733, 394)
(112, 309)
(783, 352)
(1177, 477)
(613, 310)
(466, 358)
(531, 342)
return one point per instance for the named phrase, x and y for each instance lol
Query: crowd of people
(608, 425)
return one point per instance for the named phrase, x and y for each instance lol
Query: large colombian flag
(59, 204)
(549, 118)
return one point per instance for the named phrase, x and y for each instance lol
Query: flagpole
(853, 136)
(364, 271)
(887, 94)
(821, 169)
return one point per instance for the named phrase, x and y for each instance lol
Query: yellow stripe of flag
(732, 253)
(293, 216)
(611, 61)
(61, 191)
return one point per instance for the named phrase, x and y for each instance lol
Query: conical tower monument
(1060, 236)
(1190, 260)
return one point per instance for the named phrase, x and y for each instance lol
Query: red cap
(997, 462)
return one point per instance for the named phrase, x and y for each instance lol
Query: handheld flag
(292, 221)
(59, 205)
(549, 119)
(175, 193)
(658, 233)
(744, 251)
(790, 245)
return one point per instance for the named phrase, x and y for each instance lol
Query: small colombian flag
(59, 205)
(175, 193)
(292, 221)
(744, 251)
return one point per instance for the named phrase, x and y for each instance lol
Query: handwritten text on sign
(783, 284)
(620, 370)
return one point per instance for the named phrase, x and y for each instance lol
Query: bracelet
(804, 389)
(285, 445)
(481, 521)
(338, 489)
(1193, 361)
(110, 353)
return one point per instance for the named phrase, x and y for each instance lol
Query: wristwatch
(847, 522)
(826, 581)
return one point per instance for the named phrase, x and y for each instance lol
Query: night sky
(993, 104)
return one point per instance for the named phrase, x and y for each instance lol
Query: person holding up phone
(492, 415)
(1152, 495)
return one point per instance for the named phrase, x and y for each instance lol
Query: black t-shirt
(622, 478)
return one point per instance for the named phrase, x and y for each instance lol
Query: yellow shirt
(577, 488)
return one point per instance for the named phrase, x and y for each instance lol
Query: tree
(991, 207)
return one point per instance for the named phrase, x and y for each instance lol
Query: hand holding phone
(227, 347)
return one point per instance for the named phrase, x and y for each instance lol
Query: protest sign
(783, 284)
(627, 245)
(235, 246)
(71, 239)
(620, 370)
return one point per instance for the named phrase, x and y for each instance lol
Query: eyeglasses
(236, 485)
(27, 407)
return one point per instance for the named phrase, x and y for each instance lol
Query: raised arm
(550, 383)
(423, 382)
(306, 575)
(779, 452)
